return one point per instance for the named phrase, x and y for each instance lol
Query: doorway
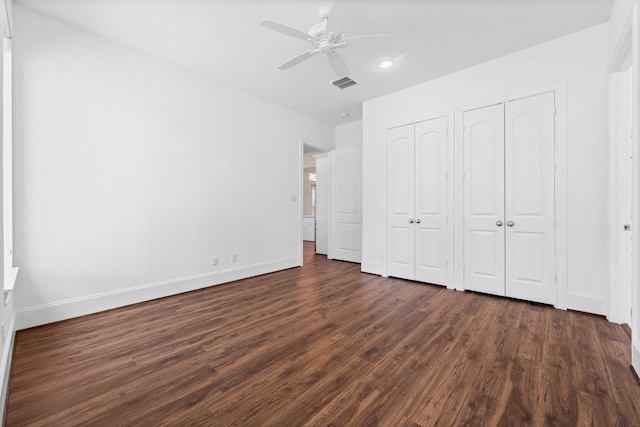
(311, 203)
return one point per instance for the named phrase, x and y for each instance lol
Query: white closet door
(431, 201)
(483, 147)
(400, 195)
(529, 189)
(346, 205)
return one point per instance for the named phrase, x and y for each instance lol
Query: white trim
(420, 118)
(451, 241)
(329, 208)
(7, 21)
(7, 163)
(635, 289)
(621, 55)
(635, 357)
(458, 201)
(594, 304)
(560, 91)
(5, 364)
(613, 314)
(561, 195)
(301, 201)
(53, 312)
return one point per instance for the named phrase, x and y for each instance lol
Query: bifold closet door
(483, 152)
(530, 198)
(400, 201)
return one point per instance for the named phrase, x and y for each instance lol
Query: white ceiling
(223, 39)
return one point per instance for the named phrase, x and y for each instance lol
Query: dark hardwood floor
(325, 345)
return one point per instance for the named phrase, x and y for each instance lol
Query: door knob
(417, 221)
(499, 223)
(510, 223)
(410, 221)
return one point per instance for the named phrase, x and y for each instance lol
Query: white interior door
(346, 204)
(529, 201)
(431, 201)
(323, 172)
(400, 201)
(483, 152)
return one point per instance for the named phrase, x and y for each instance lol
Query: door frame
(621, 58)
(560, 92)
(450, 229)
(617, 252)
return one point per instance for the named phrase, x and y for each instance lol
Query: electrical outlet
(234, 257)
(214, 260)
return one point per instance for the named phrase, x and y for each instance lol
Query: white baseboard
(29, 317)
(587, 303)
(369, 267)
(635, 357)
(5, 364)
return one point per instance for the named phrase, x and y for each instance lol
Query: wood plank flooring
(325, 345)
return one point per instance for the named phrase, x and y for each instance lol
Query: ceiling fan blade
(347, 39)
(338, 64)
(298, 59)
(285, 29)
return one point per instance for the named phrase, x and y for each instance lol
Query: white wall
(636, 137)
(131, 174)
(579, 60)
(348, 135)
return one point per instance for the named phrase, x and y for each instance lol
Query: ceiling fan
(321, 39)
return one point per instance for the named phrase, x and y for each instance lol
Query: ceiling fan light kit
(322, 40)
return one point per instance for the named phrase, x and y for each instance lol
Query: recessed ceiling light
(344, 115)
(385, 64)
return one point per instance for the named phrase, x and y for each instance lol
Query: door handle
(418, 221)
(499, 223)
(510, 223)
(410, 221)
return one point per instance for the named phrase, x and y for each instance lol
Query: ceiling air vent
(344, 82)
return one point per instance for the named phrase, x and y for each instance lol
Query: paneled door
(417, 201)
(484, 251)
(346, 205)
(529, 190)
(509, 208)
(430, 205)
(400, 195)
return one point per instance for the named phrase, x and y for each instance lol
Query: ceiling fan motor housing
(319, 31)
